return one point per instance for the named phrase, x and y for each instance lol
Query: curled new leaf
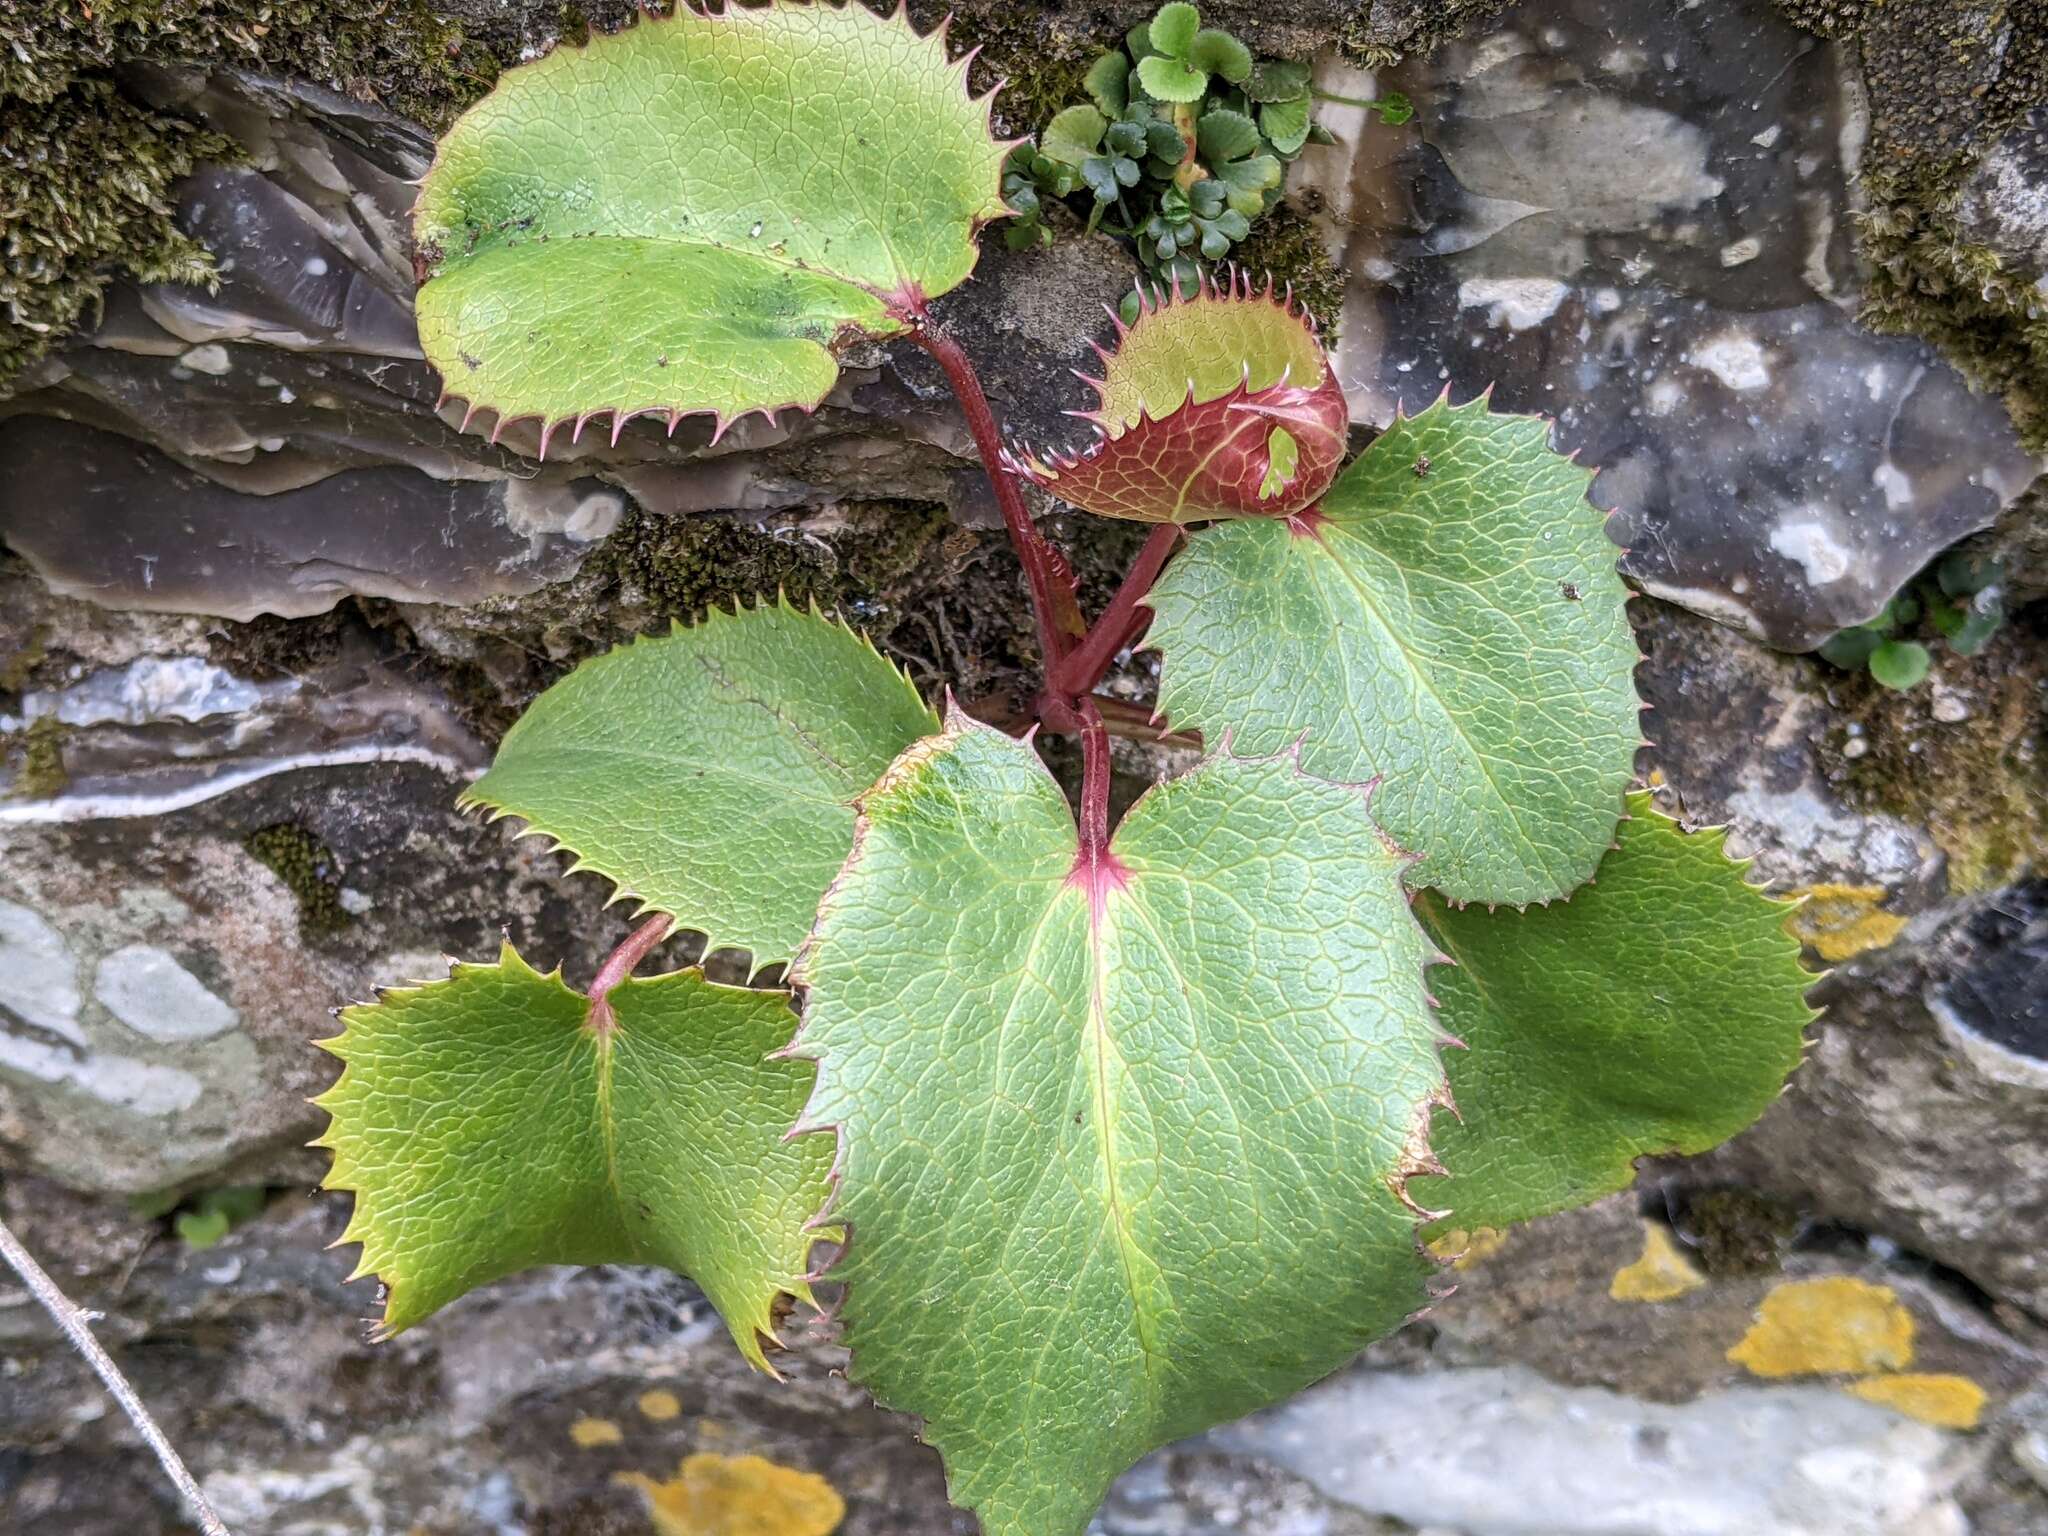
(1217, 404)
(698, 213)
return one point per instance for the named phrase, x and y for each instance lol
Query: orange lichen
(1462, 1249)
(1833, 1326)
(659, 1405)
(591, 1433)
(1952, 1402)
(1661, 1274)
(1842, 921)
(713, 1495)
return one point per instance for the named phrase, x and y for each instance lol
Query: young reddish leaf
(1217, 404)
(498, 1120)
(1125, 1144)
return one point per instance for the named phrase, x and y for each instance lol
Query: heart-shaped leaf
(1220, 54)
(1450, 619)
(497, 1120)
(1073, 135)
(1190, 403)
(697, 213)
(711, 773)
(1171, 79)
(1285, 123)
(1658, 1010)
(1173, 29)
(1225, 135)
(1125, 1144)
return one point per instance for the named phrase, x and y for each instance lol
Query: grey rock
(1922, 1110)
(2004, 204)
(1501, 1452)
(1636, 220)
(185, 544)
(280, 445)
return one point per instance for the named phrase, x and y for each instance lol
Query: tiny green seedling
(1110, 1133)
(1960, 598)
(1183, 143)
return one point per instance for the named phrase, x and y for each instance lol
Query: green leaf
(216, 1212)
(1850, 648)
(1900, 664)
(1395, 109)
(1107, 82)
(1249, 181)
(1982, 618)
(498, 1120)
(1124, 1148)
(1171, 79)
(711, 773)
(1224, 135)
(1285, 123)
(1073, 135)
(1283, 456)
(1964, 575)
(698, 213)
(1659, 1010)
(1220, 54)
(1173, 29)
(1451, 620)
(1278, 80)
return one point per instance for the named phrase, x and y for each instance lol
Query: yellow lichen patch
(1842, 921)
(659, 1406)
(1953, 1402)
(713, 1495)
(1662, 1273)
(1835, 1326)
(1462, 1249)
(591, 1433)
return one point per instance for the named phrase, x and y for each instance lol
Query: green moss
(1826, 18)
(398, 53)
(88, 171)
(42, 774)
(1945, 83)
(1285, 243)
(1386, 31)
(1039, 60)
(1980, 784)
(1739, 1232)
(308, 871)
(677, 567)
(18, 667)
(1927, 279)
(88, 178)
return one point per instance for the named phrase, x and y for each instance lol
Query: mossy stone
(308, 870)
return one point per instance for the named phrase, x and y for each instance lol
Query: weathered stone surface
(217, 823)
(1638, 221)
(1922, 1112)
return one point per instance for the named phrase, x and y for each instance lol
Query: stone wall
(264, 609)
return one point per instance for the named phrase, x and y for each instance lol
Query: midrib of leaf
(1425, 681)
(775, 712)
(608, 1130)
(1129, 1252)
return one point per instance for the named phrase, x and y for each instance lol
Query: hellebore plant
(1108, 1135)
